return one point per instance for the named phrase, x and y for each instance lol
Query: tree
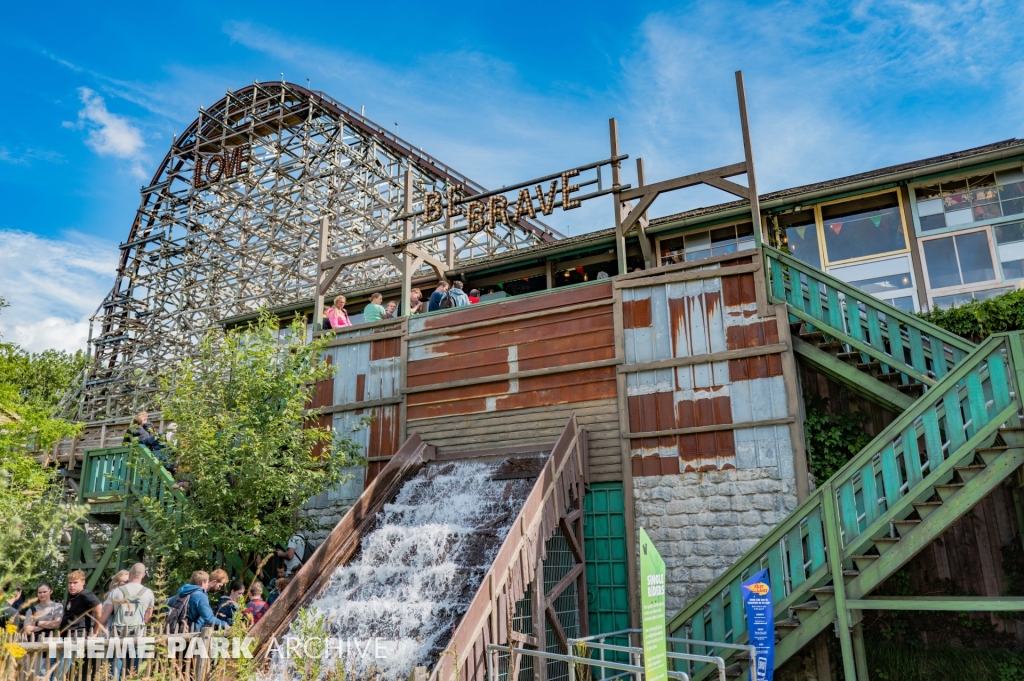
(250, 453)
(34, 511)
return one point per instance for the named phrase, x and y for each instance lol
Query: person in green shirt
(374, 312)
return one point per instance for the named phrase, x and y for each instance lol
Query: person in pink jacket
(336, 315)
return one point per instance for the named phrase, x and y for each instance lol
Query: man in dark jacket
(200, 614)
(435, 298)
(142, 430)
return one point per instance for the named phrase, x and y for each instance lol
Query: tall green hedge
(978, 319)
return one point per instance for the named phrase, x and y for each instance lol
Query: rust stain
(383, 349)
(360, 387)
(649, 413)
(557, 395)
(581, 380)
(654, 465)
(491, 362)
(556, 298)
(636, 314)
(739, 289)
(454, 394)
(454, 408)
(568, 356)
(677, 323)
(383, 439)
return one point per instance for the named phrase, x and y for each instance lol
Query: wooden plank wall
(842, 400)
(512, 372)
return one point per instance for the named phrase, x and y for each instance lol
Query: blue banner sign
(757, 602)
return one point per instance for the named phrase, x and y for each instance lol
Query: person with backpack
(299, 550)
(190, 609)
(227, 606)
(437, 296)
(458, 296)
(129, 607)
(126, 612)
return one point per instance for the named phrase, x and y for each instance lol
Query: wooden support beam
(556, 627)
(748, 153)
(620, 235)
(938, 603)
(686, 275)
(564, 583)
(710, 429)
(742, 353)
(352, 406)
(519, 374)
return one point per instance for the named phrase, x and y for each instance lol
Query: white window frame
(694, 232)
(998, 282)
(1017, 217)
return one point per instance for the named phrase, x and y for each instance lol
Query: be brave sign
(212, 168)
(485, 213)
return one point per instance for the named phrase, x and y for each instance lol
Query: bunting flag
(877, 219)
(801, 231)
(836, 226)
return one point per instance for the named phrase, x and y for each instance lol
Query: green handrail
(919, 350)
(918, 450)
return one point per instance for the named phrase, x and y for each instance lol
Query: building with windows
(928, 234)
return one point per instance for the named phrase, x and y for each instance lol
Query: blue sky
(502, 92)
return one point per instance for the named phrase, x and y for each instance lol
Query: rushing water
(418, 569)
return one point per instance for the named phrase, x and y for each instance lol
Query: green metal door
(604, 532)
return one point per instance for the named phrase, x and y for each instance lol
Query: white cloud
(108, 133)
(53, 286)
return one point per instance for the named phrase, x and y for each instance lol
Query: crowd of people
(208, 599)
(445, 296)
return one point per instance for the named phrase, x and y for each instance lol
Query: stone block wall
(702, 522)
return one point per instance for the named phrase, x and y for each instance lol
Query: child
(228, 605)
(256, 605)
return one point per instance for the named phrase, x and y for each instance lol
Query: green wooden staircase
(112, 482)
(957, 438)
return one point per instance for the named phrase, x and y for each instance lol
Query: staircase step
(849, 575)
(786, 626)
(883, 544)
(824, 593)
(1014, 437)
(890, 377)
(906, 525)
(805, 610)
(830, 346)
(734, 671)
(990, 454)
(864, 561)
(849, 356)
(967, 473)
(873, 368)
(924, 508)
(915, 389)
(813, 337)
(948, 490)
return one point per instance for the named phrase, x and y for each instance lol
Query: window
(1010, 248)
(800, 235)
(973, 199)
(888, 280)
(707, 243)
(959, 260)
(863, 227)
(943, 302)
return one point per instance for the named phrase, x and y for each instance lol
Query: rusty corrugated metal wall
(690, 409)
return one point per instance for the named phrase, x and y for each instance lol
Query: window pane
(744, 230)
(1013, 207)
(672, 250)
(905, 303)
(1007, 234)
(959, 217)
(802, 241)
(719, 249)
(854, 229)
(940, 256)
(956, 202)
(943, 302)
(975, 257)
(932, 207)
(723, 234)
(1014, 269)
(1012, 191)
(930, 222)
(697, 255)
(881, 286)
(987, 212)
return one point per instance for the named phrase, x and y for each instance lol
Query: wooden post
(645, 244)
(791, 379)
(620, 239)
(318, 308)
(748, 152)
(407, 257)
(540, 665)
(549, 271)
(449, 249)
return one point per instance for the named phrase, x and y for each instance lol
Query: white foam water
(417, 570)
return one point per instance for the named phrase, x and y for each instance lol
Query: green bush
(979, 319)
(832, 439)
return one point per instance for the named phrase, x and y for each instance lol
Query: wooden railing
(835, 525)
(920, 351)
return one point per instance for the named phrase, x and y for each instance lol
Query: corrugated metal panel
(455, 353)
(690, 319)
(363, 372)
